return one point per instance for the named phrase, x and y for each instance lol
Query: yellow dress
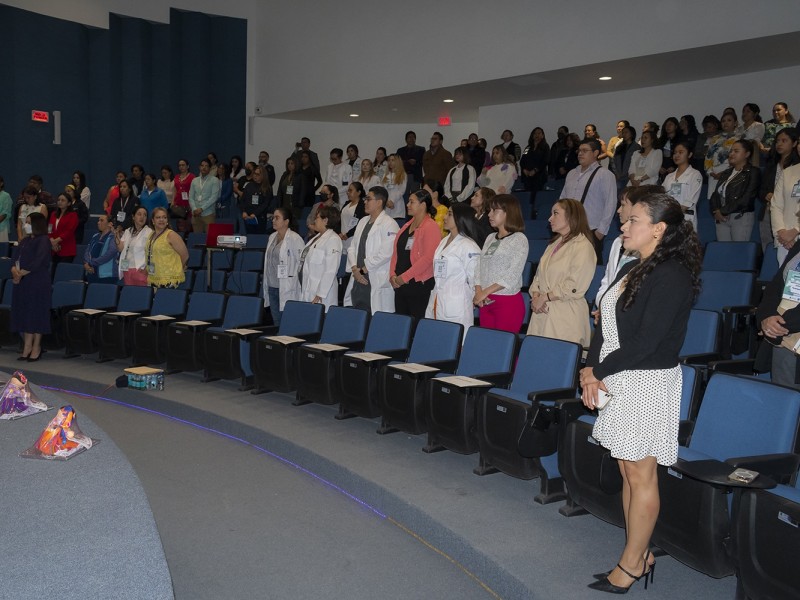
(167, 263)
(441, 213)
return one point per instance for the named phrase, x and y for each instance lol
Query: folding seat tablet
(224, 345)
(590, 474)
(345, 329)
(183, 337)
(546, 370)
(451, 401)
(436, 346)
(272, 354)
(357, 374)
(150, 332)
(742, 422)
(115, 330)
(80, 325)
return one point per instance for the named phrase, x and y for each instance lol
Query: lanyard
(150, 245)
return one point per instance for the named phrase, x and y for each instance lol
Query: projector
(232, 241)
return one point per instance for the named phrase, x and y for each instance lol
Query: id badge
(791, 289)
(50, 228)
(675, 191)
(796, 190)
(255, 200)
(440, 268)
(283, 272)
(121, 216)
(124, 265)
(409, 243)
(151, 269)
(185, 196)
(289, 189)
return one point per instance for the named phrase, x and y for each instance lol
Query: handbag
(135, 277)
(539, 435)
(178, 212)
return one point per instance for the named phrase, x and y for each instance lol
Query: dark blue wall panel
(138, 92)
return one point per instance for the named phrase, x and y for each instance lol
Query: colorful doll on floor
(16, 399)
(62, 437)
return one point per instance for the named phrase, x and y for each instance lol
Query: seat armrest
(448, 366)
(715, 473)
(554, 394)
(685, 429)
(746, 309)
(781, 467)
(742, 366)
(497, 379)
(700, 359)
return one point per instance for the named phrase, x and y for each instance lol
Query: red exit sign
(40, 116)
(444, 121)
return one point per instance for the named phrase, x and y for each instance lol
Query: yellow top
(441, 213)
(168, 266)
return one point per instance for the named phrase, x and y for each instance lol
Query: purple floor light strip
(284, 460)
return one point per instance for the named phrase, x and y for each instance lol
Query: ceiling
(719, 60)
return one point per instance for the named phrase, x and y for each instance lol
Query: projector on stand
(232, 241)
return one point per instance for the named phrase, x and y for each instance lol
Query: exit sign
(40, 116)
(444, 121)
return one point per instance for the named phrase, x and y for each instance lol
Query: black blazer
(652, 330)
(740, 194)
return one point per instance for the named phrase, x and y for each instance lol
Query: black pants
(412, 298)
(598, 247)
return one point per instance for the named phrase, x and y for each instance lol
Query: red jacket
(426, 239)
(65, 229)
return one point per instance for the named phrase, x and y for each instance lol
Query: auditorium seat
(742, 423)
(115, 330)
(357, 374)
(592, 476)
(731, 295)
(546, 371)
(67, 295)
(536, 249)
(243, 283)
(487, 357)
(201, 278)
(436, 346)
(344, 329)
(769, 265)
(731, 256)
(223, 346)
(5, 268)
(150, 332)
(80, 324)
(272, 359)
(249, 260)
(257, 241)
(206, 309)
(68, 272)
(6, 337)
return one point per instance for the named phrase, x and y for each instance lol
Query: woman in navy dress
(30, 304)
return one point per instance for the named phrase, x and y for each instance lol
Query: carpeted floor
(489, 524)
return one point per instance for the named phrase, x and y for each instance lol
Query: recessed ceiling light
(604, 78)
(394, 110)
(448, 100)
(353, 115)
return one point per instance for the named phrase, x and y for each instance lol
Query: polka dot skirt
(642, 418)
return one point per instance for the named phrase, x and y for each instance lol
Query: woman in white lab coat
(684, 182)
(319, 261)
(370, 280)
(281, 262)
(454, 269)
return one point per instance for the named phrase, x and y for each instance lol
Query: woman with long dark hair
(454, 263)
(733, 201)
(63, 223)
(281, 261)
(633, 359)
(534, 161)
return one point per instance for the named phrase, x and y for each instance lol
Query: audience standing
(437, 161)
(100, 257)
(61, 230)
(6, 211)
(132, 246)
(166, 254)
(460, 180)
(411, 155)
(319, 260)
(281, 263)
(733, 201)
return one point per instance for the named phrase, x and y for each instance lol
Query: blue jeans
(275, 304)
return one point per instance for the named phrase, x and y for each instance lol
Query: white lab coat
(289, 255)
(320, 269)
(380, 245)
(686, 190)
(452, 293)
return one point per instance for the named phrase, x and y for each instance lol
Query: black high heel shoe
(652, 568)
(604, 585)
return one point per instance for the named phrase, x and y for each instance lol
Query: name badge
(289, 189)
(50, 228)
(791, 290)
(283, 272)
(255, 200)
(440, 268)
(185, 196)
(409, 243)
(121, 216)
(796, 190)
(151, 268)
(124, 265)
